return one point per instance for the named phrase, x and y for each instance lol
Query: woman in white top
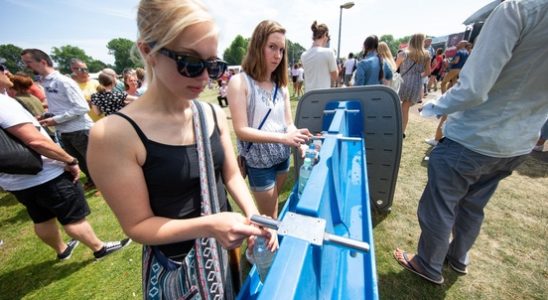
(320, 66)
(261, 115)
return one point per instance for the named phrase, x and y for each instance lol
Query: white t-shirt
(300, 76)
(318, 63)
(11, 114)
(349, 66)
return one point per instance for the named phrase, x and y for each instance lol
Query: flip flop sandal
(406, 264)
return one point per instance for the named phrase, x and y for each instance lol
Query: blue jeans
(261, 180)
(460, 183)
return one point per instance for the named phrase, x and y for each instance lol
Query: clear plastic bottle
(311, 152)
(304, 174)
(262, 256)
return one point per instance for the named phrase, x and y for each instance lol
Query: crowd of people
(174, 158)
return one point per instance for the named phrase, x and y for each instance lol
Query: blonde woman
(414, 63)
(167, 192)
(384, 51)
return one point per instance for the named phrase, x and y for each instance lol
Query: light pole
(347, 5)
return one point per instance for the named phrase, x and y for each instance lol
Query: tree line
(125, 55)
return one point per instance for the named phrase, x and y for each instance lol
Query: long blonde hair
(161, 21)
(384, 51)
(416, 51)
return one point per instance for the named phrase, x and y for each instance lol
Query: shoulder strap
(140, 133)
(266, 115)
(214, 116)
(414, 63)
(210, 255)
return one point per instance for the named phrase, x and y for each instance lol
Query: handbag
(241, 159)
(204, 273)
(16, 157)
(241, 165)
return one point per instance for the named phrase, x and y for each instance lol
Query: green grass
(508, 260)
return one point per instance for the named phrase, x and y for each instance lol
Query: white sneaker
(432, 142)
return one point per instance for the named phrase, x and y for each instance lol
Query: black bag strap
(414, 63)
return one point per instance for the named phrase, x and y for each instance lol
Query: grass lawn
(508, 260)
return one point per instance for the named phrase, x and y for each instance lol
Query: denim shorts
(261, 180)
(58, 198)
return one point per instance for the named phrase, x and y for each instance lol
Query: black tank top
(173, 181)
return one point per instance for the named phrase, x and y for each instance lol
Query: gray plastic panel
(382, 132)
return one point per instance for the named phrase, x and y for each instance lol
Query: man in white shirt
(320, 66)
(68, 105)
(349, 66)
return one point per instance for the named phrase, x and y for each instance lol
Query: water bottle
(262, 256)
(304, 174)
(311, 153)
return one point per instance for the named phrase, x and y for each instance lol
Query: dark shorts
(58, 198)
(294, 78)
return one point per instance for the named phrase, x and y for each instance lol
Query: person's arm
(30, 136)
(359, 78)
(484, 65)
(456, 59)
(399, 60)
(237, 98)
(387, 71)
(427, 69)
(115, 158)
(333, 68)
(96, 109)
(232, 178)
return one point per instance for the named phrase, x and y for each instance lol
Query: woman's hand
(297, 137)
(231, 229)
(272, 242)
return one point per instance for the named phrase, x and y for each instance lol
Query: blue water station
(326, 235)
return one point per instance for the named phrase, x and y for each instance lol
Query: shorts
(294, 78)
(264, 179)
(58, 198)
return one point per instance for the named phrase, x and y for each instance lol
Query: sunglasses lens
(190, 66)
(194, 67)
(216, 69)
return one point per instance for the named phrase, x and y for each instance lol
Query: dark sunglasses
(83, 70)
(3, 68)
(191, 66)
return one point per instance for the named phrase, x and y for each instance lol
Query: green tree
(389, 39)
(294, 51)
(12, 56)
(64, 54)
(123, 58)
(96, 65)
(234, 54)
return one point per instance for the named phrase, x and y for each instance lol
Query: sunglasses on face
(191, 66)
(83, 70)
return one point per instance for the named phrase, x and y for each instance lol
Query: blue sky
(91, 24)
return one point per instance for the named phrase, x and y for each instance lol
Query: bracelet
(74, 162)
